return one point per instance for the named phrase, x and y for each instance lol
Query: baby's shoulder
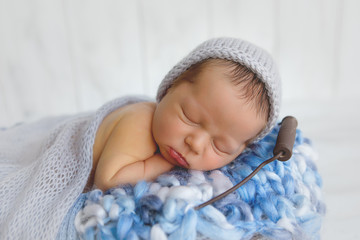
(137, 115)
(131, 122)
(139, 111)
(141, 108)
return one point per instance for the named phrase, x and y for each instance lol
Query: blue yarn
(105, 234)
(126, 204)
(140, 189)
(149, 207)
(89, 234)
(170, 212)
(124, 226)
(187, 229)
(208, 226)
(281, 202)
(94, 196)
(276, 233)
(107, 202)
(288, 183)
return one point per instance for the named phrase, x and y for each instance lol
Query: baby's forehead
(209, 63)
(231, 71)
(224, 71)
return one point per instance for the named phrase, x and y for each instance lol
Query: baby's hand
(155, 166)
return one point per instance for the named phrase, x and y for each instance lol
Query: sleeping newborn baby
(220, 98)
(223, 96)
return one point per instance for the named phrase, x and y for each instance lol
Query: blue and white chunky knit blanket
(283, 201)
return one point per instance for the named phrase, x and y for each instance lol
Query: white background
(62, 57)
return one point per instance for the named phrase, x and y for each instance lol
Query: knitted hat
(237, 50)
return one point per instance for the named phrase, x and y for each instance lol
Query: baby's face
(204, 125)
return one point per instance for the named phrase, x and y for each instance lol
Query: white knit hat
(237, 50)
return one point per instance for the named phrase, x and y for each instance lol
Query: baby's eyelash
(187, 118)
(217, 149)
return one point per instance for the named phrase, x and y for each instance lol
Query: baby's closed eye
(218, 148)
(187, 118)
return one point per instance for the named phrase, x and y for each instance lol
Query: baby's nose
(197, 141)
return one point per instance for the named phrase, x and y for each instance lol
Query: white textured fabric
(44, 167)
(240, 51)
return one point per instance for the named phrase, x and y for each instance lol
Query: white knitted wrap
(44, 167)
(245, 53)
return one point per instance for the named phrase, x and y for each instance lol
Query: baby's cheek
(226, 160)
(172, 125)
(211, 161)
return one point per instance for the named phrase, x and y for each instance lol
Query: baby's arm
(147, 169)
(129, 153)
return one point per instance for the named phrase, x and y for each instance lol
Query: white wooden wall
(68, 56)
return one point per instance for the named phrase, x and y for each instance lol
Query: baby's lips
(178, 157)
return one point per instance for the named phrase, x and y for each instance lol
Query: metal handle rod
(224, 194)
